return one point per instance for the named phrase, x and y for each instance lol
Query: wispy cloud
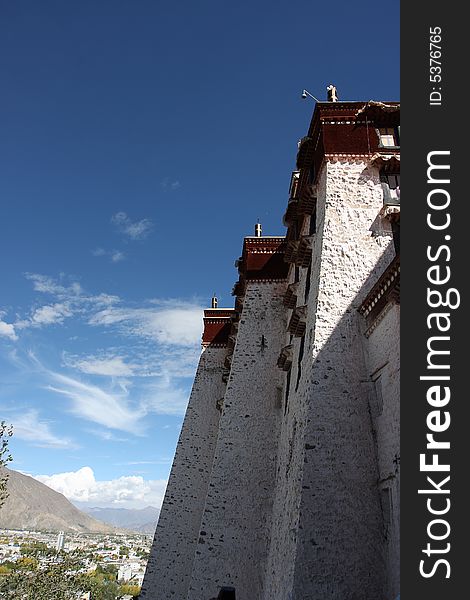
(135, 230)
(149, 376)
(169, 322)
(112, 366)
(106, 435)
(123, 492)
(114, 256)
(165, 397)
(131, 463)
(169, 185)
(45, 284)
(49, 314)
(94, 404)
(69, 300)
(178, 325)
(7, 330)
(28, 427)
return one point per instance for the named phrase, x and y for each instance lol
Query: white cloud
(143, 359)
(170, 185)
(113, 366)
(180, 325)
(94, 404)
(106, 435)
(114, 255)
(123, 492)
(28, 427)
(117, 256)
(72, 295)
(168, 322)
(136, 230)
(144, 377)
(45, 284)
(161, 461)
(165, 398)
(8, 330)
(49, 314)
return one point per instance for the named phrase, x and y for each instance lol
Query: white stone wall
(279, 579)
(383, 364)
(327, 534)
(170, 564)
(233, 541)
(293, 504)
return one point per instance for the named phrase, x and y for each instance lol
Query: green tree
(110, 571)
(27, 563)
(100, 585)
(6, 431)
(127, 588)
(36, 549)
(58, 581)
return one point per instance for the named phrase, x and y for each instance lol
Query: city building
(60, 542)
(285, 482)
(132, 572)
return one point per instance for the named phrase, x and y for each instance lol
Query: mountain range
(143, 520)
(31, 505)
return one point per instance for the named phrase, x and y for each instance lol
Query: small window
(312, 228)
(391, 187)
(307, 282)
(388, 137)
(286, 399)
(311, 175)
(299, 362)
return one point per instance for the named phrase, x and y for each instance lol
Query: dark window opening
(313, 223)
(396, 236)
(391, 187)
(307, 282)
(295, 230)
(311, 175)
(299, 362)
(287, 391)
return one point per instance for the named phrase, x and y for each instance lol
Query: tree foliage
(57, 581)
(6, 431)
(65, 577)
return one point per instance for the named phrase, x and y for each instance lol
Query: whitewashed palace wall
(383, 364)
(233, 540)
(339, 550)
(292, 491)
(170, 563)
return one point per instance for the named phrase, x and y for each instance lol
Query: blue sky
(140, 141)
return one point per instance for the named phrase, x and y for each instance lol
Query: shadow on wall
(336, 510)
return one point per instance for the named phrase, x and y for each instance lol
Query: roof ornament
(214, 301)
(332, 93)
(258, 229)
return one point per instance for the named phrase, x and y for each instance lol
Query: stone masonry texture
(285, 484)
(339, 551)
(171, 558)
(234, 531)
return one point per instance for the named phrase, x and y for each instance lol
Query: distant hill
(143, 520)
(31, 505)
